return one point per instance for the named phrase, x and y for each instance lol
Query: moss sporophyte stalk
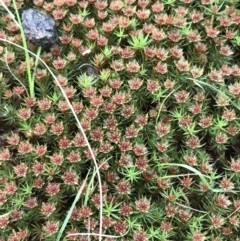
(125, 125)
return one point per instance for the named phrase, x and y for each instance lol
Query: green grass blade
(36, 63)
(198, 82)
(192, 169)
(71, 209)
(27, 58)
(198, 173)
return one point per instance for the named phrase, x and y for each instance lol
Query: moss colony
(161, 112)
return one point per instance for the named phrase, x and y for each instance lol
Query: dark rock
(39, 28)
